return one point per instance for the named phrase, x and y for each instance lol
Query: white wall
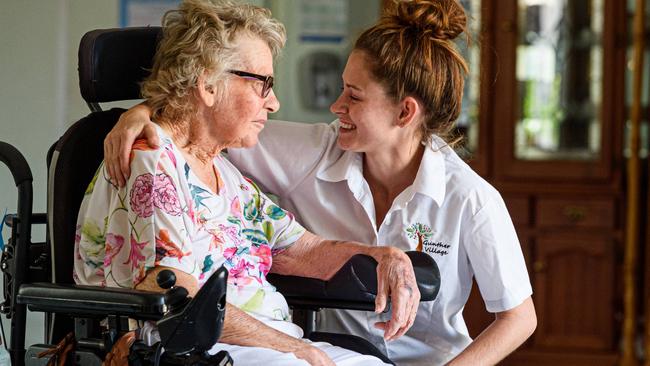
(39, 96)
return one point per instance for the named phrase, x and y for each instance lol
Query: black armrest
(90, 301)
(354, 286)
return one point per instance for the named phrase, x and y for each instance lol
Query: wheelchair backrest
(112, 63)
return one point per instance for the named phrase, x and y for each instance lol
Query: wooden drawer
(519, 210)
(593, 213)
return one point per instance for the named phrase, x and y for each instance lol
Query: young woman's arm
(508, 331)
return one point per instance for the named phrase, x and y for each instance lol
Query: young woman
(385, 173)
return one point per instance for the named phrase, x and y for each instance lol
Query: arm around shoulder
(134, 123)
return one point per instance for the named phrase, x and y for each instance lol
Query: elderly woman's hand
(396, 279)
(314, 356)
(134, 123)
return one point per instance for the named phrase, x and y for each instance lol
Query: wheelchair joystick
(176, 297)
(166, 279)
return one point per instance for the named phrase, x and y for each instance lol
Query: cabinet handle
(539, 266)
(575, 213)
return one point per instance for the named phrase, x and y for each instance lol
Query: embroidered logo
(423, 234)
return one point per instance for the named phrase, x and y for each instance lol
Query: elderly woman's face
(239, 117)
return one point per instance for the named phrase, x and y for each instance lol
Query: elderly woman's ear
(207, 93)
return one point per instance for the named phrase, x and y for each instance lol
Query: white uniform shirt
(459, 219)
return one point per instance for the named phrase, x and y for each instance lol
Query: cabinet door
(574, 287)
(556, 59)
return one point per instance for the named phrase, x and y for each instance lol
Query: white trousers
(251, 356)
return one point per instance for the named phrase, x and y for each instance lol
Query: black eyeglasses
(267, 80)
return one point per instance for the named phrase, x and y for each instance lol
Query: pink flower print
(113, 246)
(235, 208)
(135, 255)
(190, 208)
(217, 241)
(171, 155)
(77, 240)
(238, 275)
(141, 200)
(77, 234)
(263, 252)
(229, 252)
(165, 196)
(232, 234)
(140, 276)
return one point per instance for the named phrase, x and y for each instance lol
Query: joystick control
(176, 297)
(166, 279)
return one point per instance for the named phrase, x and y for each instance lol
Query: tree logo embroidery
(424, 234)
(421, 232)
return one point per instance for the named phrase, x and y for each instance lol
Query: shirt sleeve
(285, 154)
(496, 258)
(146, 226)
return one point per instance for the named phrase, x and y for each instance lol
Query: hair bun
(440, 19)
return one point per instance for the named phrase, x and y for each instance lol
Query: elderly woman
(187, 209)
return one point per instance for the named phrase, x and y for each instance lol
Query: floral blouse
(167, 217)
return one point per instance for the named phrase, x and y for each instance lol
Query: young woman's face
(367, 115)
(240, 116)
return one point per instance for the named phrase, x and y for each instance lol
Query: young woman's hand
(133, 124)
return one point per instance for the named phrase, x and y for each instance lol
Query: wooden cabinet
(549, 136)
(574, 287)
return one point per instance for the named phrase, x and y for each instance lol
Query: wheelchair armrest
(354, 286)
(92, 301)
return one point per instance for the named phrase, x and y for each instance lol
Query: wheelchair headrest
(113, 62)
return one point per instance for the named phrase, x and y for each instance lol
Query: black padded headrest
(112, 62)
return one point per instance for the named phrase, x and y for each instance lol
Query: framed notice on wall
(134, 13)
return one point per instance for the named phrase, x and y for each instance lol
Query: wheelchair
(38, 276)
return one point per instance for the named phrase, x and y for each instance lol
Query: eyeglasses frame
(267, 80)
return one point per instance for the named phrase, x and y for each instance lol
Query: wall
(39, 96)
(361, 14)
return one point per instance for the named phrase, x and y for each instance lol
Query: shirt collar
(429, 181)
(431, 178)
(349, 165)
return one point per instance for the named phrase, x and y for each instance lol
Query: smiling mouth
(347, 126)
